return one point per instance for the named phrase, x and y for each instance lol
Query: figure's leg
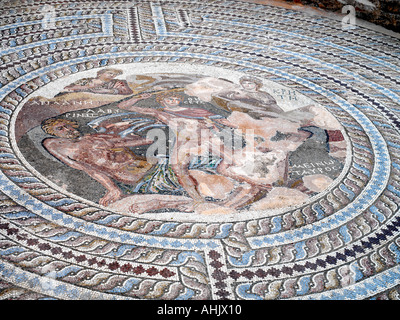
(143, 207)
(223, 170)
(180, 165)
(244, 195)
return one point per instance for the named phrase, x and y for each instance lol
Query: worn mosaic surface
(193, 150)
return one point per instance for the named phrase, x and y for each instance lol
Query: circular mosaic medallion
(182, 150)
(211, 144)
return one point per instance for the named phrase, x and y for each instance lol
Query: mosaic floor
(196, 150)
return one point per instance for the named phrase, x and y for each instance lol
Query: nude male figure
(105, 157)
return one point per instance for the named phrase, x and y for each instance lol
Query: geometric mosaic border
(343, 245)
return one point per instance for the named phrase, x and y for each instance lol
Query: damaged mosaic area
(182, 150)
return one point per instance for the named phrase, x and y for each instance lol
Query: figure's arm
(119, 87)
(130, 140)
(133, 142)
(122, 87)
(76, 88)
(113, 192)
(53, 147)
(130, 105)
(225, 122)
(81, 85)
(116, 127)
(103, 90)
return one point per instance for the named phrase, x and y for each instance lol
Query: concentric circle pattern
(318, 220)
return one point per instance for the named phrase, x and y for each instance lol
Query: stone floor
(197, 150)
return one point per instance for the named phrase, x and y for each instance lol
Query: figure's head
(250, 83)
(61, 128)
(108, 74)
(169, 99)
